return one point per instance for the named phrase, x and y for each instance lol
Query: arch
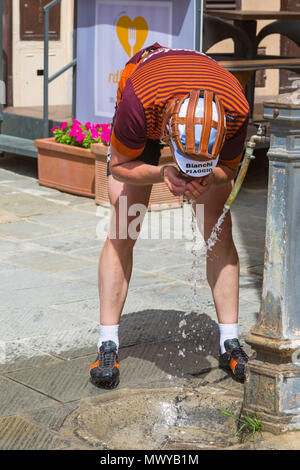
(216, 30)
(290, 29)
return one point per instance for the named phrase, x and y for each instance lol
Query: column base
(272, 387)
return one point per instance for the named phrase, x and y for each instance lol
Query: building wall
(28, 58)
(272, 44)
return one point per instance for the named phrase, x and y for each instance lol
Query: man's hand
(175, 181)
(197, 186)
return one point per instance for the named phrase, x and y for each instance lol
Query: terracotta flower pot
(160, 198)
(66, 167)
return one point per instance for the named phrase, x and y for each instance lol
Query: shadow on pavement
(176, 342)
(25, 166)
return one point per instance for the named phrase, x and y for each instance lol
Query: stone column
(272, 388)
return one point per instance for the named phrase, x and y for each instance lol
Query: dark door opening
(7, 51)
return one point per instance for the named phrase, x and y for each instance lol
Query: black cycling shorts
(150, 154)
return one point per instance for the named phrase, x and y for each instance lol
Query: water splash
(198, 251)
(216, 230)
(197, 278)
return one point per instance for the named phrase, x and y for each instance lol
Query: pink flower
(64, 125)
(95, 134)
(78, 123)
(55, 128)
(105, 136)
(72, 132)
(80, 138)
(88, 125)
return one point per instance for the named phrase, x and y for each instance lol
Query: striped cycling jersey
(150, 81)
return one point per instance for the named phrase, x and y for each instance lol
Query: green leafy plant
(248, 423)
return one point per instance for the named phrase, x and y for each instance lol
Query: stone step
(17, 145)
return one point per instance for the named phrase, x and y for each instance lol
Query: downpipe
(250, 146)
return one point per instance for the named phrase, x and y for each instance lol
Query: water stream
(216, 230)
(197, 278)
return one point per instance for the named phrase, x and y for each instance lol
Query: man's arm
(138, 173)
(133, 171)
(223, 174)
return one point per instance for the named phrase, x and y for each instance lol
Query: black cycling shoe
(234, 359)
(105, 372)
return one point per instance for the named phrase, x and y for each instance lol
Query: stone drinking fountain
(272, 389)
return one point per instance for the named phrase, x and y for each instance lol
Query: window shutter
(32, 20)
(221, 4)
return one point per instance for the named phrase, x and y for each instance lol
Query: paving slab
(66, 219)
(87, 274)
(37, 322)
(14, 354)
(65, 382)
(51, 418)
(161, 260)
(17, 433)
(39, 360)
(15, 397)
(169, 295)
(26, 205)
(39, 296)
(24, 230)
(48, 262)
(15, 278)
(70, 242)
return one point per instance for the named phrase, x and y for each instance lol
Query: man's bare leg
(223, 277)
(115, 266)
(115, 263)
(222, 259)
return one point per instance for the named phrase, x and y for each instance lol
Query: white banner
(122, 29)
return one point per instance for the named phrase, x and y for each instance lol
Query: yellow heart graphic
(132, 34)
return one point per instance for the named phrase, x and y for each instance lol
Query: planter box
(65, 167)
(160, 198)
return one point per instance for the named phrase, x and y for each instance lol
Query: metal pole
(46, 64)
(199, 25)
(46, 72)
(273, 380)
(74, 58)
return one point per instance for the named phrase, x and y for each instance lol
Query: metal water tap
(261, 137)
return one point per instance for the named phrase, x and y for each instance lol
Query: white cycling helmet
(196, 131)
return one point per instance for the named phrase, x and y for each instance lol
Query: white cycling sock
(109, 333)
(227, 331)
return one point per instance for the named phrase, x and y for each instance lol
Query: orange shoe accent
(233, 363)
(96, 364)
(117, 365)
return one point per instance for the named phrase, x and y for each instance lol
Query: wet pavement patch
(155, 419)
(51, 418)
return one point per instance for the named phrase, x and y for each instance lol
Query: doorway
(7, 51)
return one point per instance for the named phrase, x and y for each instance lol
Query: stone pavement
(50, 243)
